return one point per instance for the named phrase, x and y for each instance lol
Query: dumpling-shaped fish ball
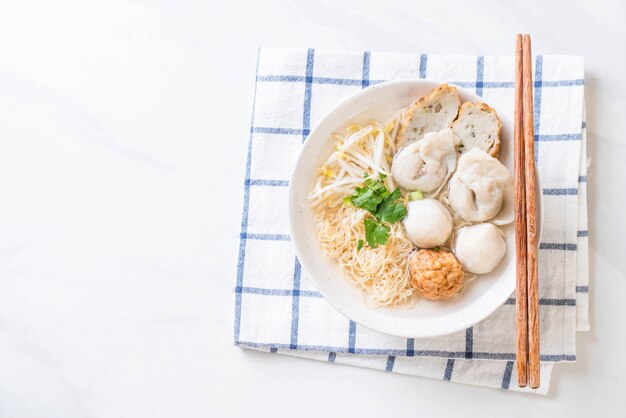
(428, 223)
(425, 164)
(479, 248)
(482, 189)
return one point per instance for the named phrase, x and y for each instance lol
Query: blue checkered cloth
(276, 307)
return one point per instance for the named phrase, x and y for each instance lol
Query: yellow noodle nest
(380, 272)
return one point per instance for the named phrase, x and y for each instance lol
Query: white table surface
(123, 129)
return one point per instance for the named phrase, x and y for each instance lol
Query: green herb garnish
(385, 206)
(370, 196)
(416, 195)
(366, 198)
(437, 248)
(377, 186)
(390, 210)
(359, 245)
(375, 232)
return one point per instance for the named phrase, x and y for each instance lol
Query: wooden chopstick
(527, 303)
(520, 223)
(531, 218)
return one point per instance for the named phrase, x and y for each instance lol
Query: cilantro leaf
(376, 186)
(375, 233)
(385, 206)
(390, 210)
(366, 198)
(369, 197)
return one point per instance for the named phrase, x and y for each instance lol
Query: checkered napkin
(277, 309)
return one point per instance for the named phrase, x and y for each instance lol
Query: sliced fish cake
(430, 113)
(478, 126)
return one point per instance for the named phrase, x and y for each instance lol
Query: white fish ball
(479, 248)
(428, 223)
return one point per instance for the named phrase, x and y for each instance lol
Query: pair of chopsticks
(525, 220)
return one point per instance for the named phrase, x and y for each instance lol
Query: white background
(123, 130)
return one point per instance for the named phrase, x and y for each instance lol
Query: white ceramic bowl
(478, 299)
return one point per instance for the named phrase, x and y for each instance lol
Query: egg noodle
(382, 272)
